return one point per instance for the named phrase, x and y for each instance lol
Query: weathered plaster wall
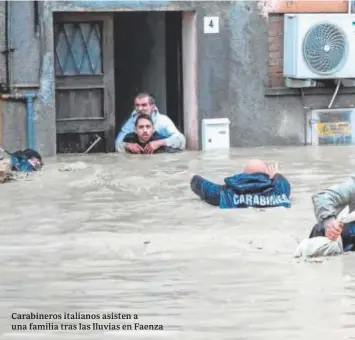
(14, 125)
(25, 43)
(24, 70)
(233, 77)
(233, 74)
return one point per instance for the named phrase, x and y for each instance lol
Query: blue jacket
(21, 164)
(255, 190)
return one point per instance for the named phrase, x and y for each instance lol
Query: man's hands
(134, 148)
(149, 148)
(271, 170)
(152, 146)
(333, 229)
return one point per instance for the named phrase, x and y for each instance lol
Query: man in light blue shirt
(163, 125)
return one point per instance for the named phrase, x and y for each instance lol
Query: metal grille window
(78, 48)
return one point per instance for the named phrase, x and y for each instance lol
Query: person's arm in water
(281, 184)
(174, 138)
(171, 137)
(330, 202)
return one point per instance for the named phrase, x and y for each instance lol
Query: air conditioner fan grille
(325, 48)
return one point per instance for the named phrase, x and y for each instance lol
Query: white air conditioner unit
(319, 46)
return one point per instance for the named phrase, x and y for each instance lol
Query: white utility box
(215, 134)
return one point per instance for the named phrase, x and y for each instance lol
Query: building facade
(72, 68)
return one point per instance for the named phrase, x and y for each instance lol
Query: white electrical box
(215, 134)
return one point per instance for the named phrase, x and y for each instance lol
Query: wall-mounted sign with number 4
(211, 24)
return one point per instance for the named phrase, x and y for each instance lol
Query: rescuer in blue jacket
(258, 186)
(26, 160)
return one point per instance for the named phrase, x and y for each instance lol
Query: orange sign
(314, 6)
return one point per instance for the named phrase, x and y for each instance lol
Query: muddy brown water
(124, 234)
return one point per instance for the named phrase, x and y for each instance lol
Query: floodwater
(115, 233)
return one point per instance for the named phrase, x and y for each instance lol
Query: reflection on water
(125, 234)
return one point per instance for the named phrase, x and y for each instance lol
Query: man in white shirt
(163, 125)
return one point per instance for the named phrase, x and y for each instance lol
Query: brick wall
(275, 59)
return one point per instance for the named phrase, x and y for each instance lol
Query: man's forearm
(121, 147)
(127, 128)
(176, 141)
(330, 202)
(120, 137)
(282, 184)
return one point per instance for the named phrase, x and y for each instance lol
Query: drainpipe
(30, 120)
(28, 99)
(335, 94)
(305, 115)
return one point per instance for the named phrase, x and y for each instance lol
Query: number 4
(211, 24)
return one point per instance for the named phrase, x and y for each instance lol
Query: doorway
(148, 58)
(103, 60)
